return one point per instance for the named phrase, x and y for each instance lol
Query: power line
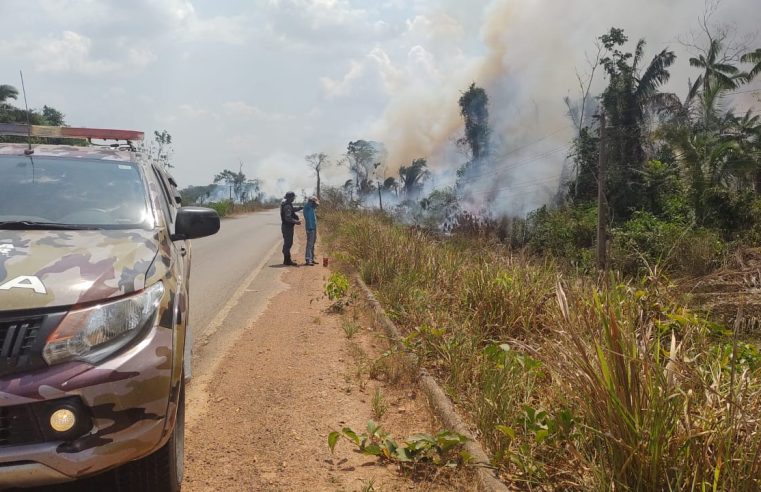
(527, 187)
(515, 165)
(534, 142)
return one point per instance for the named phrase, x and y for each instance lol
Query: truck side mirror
(195, 222)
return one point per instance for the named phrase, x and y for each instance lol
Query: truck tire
(163, 470)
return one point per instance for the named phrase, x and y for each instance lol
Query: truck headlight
(93, 333)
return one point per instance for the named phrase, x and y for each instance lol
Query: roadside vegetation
(572, 381)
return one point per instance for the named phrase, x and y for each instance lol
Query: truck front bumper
(126, 399)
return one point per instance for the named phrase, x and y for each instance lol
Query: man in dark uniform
(289, 220)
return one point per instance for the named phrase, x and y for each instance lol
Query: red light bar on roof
(68, 132)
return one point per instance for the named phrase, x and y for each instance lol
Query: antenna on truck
(28, 151)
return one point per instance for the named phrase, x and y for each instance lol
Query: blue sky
(265, 82)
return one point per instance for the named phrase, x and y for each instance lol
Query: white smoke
(528, 59)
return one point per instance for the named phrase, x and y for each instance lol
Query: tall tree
(626, 100)
(164, 149)
(52, 116)
(586, 155)
(7, 92)
(241, 188)
(362, 158)
(390, 185)
(474, 108)
(412, 177)
(718, 150)
(716, 71)
(317, 162)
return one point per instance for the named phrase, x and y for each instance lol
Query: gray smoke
(530, 55)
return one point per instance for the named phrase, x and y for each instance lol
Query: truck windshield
(67, 193)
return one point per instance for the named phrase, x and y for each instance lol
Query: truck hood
(41, 269)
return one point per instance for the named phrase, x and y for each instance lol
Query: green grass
(350, 328)
(573, 382)
(379, 404)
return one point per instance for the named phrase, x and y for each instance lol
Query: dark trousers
(287, 230)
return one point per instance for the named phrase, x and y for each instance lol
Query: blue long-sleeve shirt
(310, 216)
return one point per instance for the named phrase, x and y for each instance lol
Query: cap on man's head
(314, 200)
(290, 194)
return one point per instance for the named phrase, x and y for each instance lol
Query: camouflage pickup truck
(94, 327)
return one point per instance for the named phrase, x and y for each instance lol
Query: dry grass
(576, 383)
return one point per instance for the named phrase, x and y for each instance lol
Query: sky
(263, 83)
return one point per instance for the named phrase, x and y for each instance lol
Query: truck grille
(22, 338)
(17, 337)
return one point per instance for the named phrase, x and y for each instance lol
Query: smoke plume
(528, 57)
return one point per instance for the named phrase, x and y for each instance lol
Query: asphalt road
(220, 263)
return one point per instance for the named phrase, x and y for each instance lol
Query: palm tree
(626, 100)
(390, 184)
(716, 71)
(747, 130)
(412, 177)
(7, 92)
(753, 57)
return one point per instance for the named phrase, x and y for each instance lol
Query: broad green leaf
(449, 441)
(333, 439)
(373, 450)
(348, 432)
(403, 454)
(421, 437)
(390, 444)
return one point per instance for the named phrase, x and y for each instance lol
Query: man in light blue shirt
(310, 221)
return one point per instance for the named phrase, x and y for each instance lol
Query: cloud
(192, 112)
(149, 18)
(251, 112)
(375, 70)
(74, 52)
(323, 25)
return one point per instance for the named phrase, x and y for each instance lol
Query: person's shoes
(311, 263)
(290, 263)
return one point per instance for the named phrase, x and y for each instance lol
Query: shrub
(646, 241)
(567, 233)
(223, 208)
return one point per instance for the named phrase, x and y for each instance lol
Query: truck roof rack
(20, 130)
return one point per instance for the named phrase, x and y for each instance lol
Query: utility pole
(380, 196)
(602, 204)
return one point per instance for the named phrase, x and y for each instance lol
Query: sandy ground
(291, 378)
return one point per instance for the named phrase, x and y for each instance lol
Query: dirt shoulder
(289, 380)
